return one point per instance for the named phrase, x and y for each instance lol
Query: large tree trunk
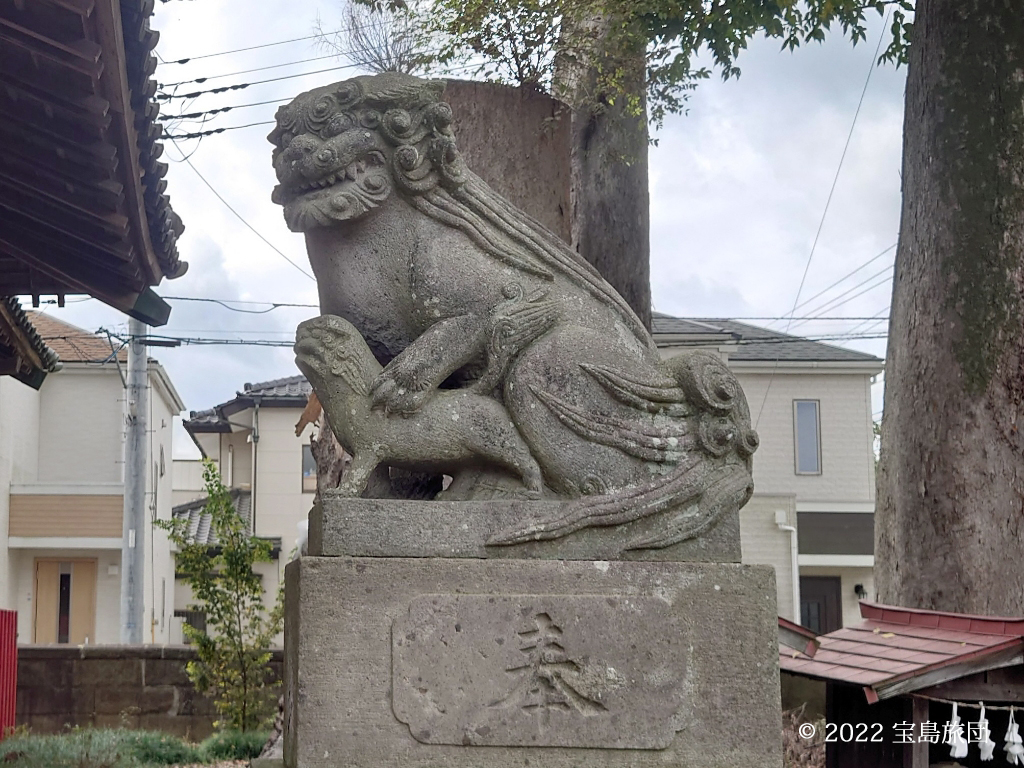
(610, 197)
(950, 514)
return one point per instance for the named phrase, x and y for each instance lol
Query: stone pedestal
(470, 661)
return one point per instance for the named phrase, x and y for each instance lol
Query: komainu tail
(704, 445)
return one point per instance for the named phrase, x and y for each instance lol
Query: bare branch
(378, 39)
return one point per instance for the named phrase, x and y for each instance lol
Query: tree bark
(609, 197)
(950, 512)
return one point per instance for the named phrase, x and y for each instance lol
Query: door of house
(821, 601)
(65, 601)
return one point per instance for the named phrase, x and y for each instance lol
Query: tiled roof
(199, 519)
(289, 391)
(203, 417)
(796, 638)
(891, 651)
(21, 342)
(291, 386)
(164, 224)
(71, 343)
(754, 343)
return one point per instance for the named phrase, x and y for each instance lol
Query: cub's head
(339, 150)
(329, 348)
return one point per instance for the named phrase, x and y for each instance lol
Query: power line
(188, 341)
(870, 288)
(208, 341)
(845, 277)
(841, 318)
(877, 317)
(193, 115)
(172, 341)
(848, 299)
(187, 59)
(254, 69)
(337, 53)
(830, 304)
(272, 305)
(213, 131)
(238, 215)
(227, 302)
(233, 331)
(240, 86)
(828, 202)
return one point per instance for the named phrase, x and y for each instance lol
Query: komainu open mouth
(341, 195)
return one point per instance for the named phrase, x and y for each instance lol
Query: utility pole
(133, 543)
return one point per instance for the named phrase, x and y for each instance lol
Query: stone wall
(112, 685)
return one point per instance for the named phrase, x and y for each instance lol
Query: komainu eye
(338, 125)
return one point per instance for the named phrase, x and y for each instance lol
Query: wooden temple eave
(79, 204)
(117, 92)
(23, 354)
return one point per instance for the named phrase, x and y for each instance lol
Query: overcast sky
(738, 188)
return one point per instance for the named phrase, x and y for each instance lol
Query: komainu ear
(437, 87)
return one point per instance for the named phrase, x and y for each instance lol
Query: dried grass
(798, 752)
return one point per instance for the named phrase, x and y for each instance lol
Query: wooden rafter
(82, 200)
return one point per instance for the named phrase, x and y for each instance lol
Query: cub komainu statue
(452, 287)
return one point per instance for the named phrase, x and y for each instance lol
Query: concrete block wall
(111, 686)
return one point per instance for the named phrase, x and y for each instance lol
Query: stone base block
(343, 526)
(463, 663)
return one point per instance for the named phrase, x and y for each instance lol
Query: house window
(64, 604)
(821, 603)
(808, 437)
(194, 619)
(308, 470)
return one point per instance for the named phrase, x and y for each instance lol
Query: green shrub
(234, 745)
(77, 748)
(160, 748)
(99, 748)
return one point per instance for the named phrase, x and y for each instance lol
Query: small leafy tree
(232, 667)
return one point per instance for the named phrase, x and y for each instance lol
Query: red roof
(897, 650)
(794, 637)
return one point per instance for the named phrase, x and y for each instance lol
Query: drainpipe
(255, 439)
(781, 520)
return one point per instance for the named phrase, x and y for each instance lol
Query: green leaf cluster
(520, 41)
(233, 653)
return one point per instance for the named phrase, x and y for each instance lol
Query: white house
(62, 488)
(812, 513)
(811, 516)
(270, 470)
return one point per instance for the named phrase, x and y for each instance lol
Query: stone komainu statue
(453, 288)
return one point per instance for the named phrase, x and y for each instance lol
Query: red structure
(8, 670)
(901, 669)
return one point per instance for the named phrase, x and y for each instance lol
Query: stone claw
(394, 390)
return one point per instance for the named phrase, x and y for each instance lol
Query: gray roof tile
(754, 343)
(199, 520)
(290, 386)
(291, 390)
